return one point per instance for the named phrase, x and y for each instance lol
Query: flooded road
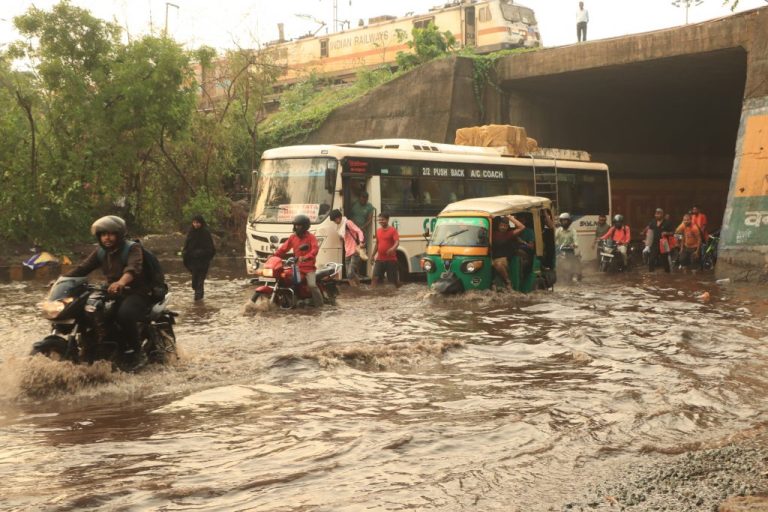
(394, 400)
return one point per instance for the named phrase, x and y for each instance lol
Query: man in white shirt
(582, 18)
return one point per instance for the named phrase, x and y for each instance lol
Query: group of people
(351, 231)
(660, 238)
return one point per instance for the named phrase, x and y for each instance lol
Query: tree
(426, 43)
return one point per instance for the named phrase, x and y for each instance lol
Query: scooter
(280, 282)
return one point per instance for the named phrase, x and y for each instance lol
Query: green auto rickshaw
(458, 256)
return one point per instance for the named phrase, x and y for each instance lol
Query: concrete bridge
(679, 115)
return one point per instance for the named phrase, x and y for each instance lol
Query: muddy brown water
(394, 400)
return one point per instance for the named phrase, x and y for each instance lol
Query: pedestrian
(385, 249)
(197, 254)
(582, 18)
(353, 238)
(692, 239)
(660, 231)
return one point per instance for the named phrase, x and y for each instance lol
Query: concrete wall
(429, 103)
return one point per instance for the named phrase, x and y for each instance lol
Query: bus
(412, 180)
(487, 25)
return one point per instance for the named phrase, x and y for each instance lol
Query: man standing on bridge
(582, 18)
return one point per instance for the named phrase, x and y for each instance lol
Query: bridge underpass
(667, 128)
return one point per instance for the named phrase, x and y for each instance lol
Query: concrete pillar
(743, 252)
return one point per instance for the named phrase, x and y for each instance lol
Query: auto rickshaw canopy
(498, 205)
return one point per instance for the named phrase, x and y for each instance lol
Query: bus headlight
(470, 267)
(427, 265)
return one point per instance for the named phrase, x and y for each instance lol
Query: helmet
(300, 224)
(618, 219)
(109, 224)
(565, 216)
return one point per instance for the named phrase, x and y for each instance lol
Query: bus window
(582, 192)
(520, 182)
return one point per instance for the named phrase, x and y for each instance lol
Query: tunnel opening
(667, 128)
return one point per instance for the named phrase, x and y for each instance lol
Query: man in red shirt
(304, 246)
(385, 250)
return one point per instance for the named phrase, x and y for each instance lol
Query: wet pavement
(394, 400)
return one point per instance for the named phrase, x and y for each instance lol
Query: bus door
(354, 183)
(470, 29)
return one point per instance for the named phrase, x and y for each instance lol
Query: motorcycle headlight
(51, 309)
(267, 272)
(473, 266)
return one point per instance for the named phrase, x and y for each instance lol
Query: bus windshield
(465, 232)
(292, 186)
(517, 13)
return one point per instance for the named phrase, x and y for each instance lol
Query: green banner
(748, 224)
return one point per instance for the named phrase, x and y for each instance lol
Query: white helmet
(564, 216)
(109, 224)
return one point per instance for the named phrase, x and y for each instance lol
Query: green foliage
(309, 106)
(211, 206)
(426, 44)
(99, 126)
(484, 67)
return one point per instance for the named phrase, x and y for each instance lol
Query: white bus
(412, 180)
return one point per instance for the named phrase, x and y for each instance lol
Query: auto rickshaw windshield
(463, 231)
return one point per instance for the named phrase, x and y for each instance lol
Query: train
(486, 25)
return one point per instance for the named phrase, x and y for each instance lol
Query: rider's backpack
(153, 272)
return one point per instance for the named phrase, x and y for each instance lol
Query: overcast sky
(246, 23)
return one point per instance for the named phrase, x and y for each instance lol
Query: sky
(249, 23)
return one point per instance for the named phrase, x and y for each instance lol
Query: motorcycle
(709, 252)
(84, 327)
(568, 263)
(280, 282)
(610, 257)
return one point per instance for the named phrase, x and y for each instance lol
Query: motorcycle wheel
(603, 266)
(707, 263)
(285, 299)
(161, 347)
(53, 347)
(330, 293)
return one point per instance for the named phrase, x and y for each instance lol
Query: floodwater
(394, 400)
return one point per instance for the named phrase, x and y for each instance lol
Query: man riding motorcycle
(619, 233)
(133, 305)
(304, 246)
(564, 235)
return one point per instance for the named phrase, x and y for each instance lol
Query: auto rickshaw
(458, 256)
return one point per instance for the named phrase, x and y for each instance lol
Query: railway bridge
(679, 115)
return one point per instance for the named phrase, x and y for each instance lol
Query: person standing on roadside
(197, 254)
(385, 249)
(582, 18)
(659, 232)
